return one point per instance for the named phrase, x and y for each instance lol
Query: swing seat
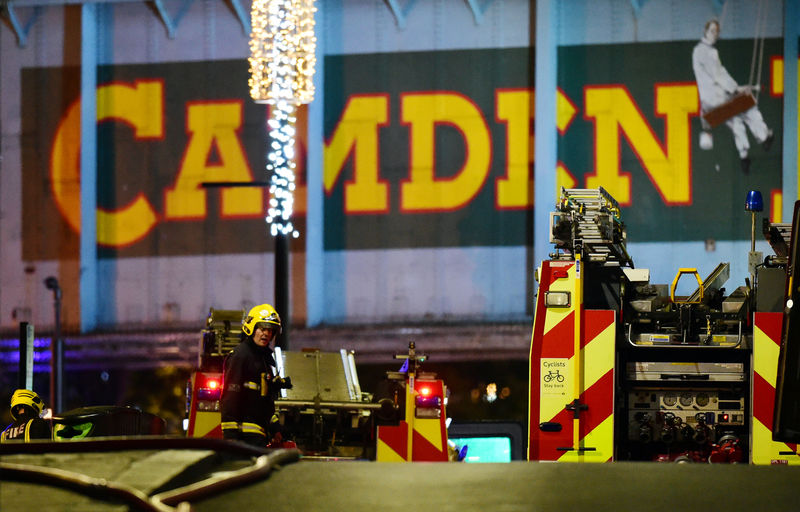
(734, 106)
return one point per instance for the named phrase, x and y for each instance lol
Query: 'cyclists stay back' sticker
(555, 374)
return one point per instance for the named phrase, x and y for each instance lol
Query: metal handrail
(684, 345)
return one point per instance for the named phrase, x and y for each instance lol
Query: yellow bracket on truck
(694, 299)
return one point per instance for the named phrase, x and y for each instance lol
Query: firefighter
(26, 409)
(250, 381)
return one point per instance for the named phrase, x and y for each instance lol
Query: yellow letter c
(140, 105)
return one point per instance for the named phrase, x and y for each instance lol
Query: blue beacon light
(754, 202)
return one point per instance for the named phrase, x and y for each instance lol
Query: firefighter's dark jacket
(26, 430)
(243, 400)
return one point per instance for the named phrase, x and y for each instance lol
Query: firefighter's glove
(283, 383)
(275, 426)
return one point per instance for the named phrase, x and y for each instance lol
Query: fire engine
(625, 369)
(420, 432)
(326, 412)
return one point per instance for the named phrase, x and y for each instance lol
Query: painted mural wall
(168, 110)
(423, 201)
(633, 124)
(439, 155)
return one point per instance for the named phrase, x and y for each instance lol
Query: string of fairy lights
(282, 63)
(281, 168)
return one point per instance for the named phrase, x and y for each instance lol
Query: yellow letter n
(668, 167)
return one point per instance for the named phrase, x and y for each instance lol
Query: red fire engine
(622, 369)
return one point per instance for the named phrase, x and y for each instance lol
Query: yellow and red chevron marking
(428, 436)
(207, 425)
(550, 425)
(766, 349)
(203, 423)
(392, 443)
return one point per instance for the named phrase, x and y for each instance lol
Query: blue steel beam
(240, 13)
(545, 126)
(88, 152)
(400, 13)
(718, 5)
(30, 3)
(315, 250)
(637, 7)
(791, 31)
(169, 21)
(479, 9)
(8, 11)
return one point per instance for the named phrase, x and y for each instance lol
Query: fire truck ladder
(588, 220)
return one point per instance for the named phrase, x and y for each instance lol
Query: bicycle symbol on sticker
(550, 375)
(554, 373)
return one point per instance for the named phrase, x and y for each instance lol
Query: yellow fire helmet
(26, 397)
(264, 313)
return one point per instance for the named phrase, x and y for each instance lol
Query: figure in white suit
(715, 86)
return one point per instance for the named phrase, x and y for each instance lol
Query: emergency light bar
(428, 404)
(211, 389)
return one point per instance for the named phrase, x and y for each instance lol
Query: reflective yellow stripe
(230, 425)
(252, 428)
(251, 385)
(576, 365)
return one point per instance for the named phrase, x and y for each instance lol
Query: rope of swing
(758, 48)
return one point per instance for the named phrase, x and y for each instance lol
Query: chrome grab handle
(634, 344)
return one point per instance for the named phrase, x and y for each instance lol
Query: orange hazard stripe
(763, 407)
(599, 379)
(563, 330)
(601, 397)
(764, 352)
(594, 324)
(546, 447)
(767, 333)
(771, 325)
(215, 432)
(395, 438)
(598, 347)
(433, 430)
(425, 451)
(546, 278)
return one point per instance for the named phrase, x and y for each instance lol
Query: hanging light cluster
(282, 51)
(282, 61)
